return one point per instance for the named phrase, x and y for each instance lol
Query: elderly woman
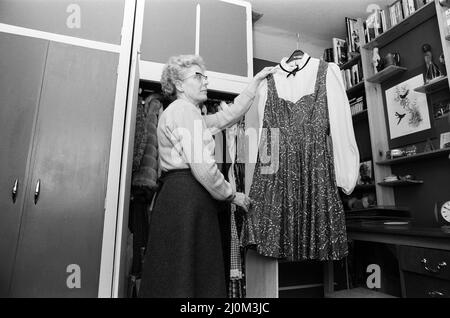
(184, 252)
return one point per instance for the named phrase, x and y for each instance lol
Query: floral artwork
(407, 110)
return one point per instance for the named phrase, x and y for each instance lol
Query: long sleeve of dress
(345, 149)
(191, 142)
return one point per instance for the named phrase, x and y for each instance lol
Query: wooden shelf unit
(400, 183)
(433, 86)
(364, 187)
(381, 207)
(360, 116)
(418, 23)
(351, 62)
(420, 156)
(386, 74)
(355, 89)
(418, 17)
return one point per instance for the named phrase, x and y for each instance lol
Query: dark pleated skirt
(184, 251)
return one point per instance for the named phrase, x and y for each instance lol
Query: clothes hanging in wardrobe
(297, 213)
(146, 174)
(234, 141)
(140, 136)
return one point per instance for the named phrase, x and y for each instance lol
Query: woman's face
(194, 85)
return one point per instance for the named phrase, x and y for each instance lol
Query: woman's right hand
(242, 200)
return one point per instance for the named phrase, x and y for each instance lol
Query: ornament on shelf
(428, 146)
(376, 61)
(432, 71)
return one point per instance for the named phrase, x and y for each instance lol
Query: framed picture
(365, 173)
(407, 113)
(339, 51)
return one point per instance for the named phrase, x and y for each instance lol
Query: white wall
(273, 44)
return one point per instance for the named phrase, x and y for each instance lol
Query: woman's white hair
(174, 70)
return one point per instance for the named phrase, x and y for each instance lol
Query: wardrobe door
(22, 62)
(223, 37)
(169, 29)
(60, 244)
(96, 20)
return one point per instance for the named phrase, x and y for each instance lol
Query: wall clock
(442, 213)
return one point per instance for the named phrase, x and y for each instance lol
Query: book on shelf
(405, 9)
(346, 75)
(396, 12)
(353, 39)
(376, 23)
(392, 16)
(353, 75)
(421, 3)
(328, 55)
(339, 51)
(411, 6)
(447, 20)
(357, 105)
(384, 20)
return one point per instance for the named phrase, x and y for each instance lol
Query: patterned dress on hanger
(297, 213)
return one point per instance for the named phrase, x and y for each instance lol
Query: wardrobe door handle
(435, 270)
(37, 191)
(435, 293)
(14, 190)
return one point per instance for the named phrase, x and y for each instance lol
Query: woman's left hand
(257, 79)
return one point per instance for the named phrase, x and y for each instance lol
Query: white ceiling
(316, 21)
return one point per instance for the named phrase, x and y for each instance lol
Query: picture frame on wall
(365, 173)
(407, 113)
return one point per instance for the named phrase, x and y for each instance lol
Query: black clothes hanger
(296, 69)
(296, 55)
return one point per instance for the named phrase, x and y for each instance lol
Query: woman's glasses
(198, 76)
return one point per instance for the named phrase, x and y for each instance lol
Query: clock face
(445, 211)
